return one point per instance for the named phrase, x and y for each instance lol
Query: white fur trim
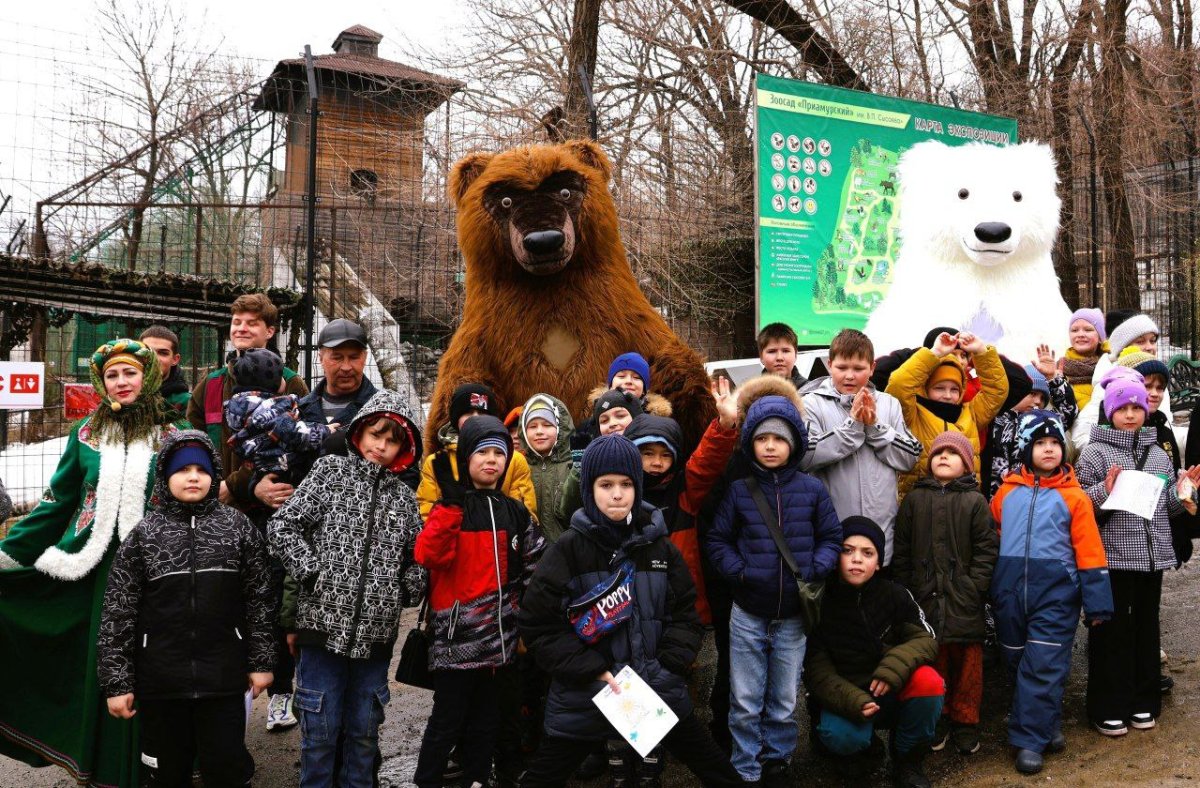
(120, 502)
(8, 562)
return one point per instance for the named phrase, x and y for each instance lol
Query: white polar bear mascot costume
(977, 223)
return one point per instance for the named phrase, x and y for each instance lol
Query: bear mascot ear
(464, 173)
(590, 154)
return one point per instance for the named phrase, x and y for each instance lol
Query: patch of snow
(26, 468)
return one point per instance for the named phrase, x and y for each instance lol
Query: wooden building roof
(355, 65)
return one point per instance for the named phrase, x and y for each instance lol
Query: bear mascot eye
(506, 202)
(1017, 196)
(963, 194)
(565, 194)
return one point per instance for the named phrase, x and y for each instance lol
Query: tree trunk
(1066, 263)
(581, 53)
(1109, 102)
(816, 52)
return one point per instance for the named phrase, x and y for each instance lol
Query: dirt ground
(1168, 755)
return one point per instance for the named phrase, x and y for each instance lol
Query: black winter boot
(622, 764)
(906, 769)
(651, 770)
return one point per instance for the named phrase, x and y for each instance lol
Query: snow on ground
(26, 468)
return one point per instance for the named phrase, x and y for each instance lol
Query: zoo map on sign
(827, 185)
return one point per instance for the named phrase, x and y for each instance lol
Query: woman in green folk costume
(53, 569)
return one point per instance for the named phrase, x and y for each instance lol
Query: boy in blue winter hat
(1051, 564)
(775, 504)
(616, 540)
(1050, 390)
(631, 372)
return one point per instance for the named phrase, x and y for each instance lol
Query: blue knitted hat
(609, 454)
(1038, 424)
(1039, 381)
(189, 454)
(631, 361)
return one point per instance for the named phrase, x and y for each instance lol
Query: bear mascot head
(550, 299)
(977, 226)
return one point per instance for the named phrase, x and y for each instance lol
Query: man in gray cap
(342, 351)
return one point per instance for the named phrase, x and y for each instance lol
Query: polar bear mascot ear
(977, 225)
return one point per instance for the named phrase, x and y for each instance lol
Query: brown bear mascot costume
(550, 298)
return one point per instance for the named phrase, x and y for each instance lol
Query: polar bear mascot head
(977, 226)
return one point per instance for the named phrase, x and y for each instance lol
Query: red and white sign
(79, 399)
(22, 385)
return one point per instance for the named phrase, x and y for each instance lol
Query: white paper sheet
(637, 713)
(1136, 492)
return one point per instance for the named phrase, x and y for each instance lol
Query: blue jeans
(765, 660)
(338, 696)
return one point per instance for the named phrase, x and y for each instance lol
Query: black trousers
(178, 733)
(285, 664)
(689, 743)
(466, 712)
(1123, 663)
(721, 604)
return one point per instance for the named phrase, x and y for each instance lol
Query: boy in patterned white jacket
(347, 535)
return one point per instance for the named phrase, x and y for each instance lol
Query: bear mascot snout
(977, 227)
(550, 298)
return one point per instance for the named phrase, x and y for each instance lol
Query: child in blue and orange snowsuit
(1051, 561)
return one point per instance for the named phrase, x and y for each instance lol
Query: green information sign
(827, 208)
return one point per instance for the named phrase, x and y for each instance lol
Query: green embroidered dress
(54, 566)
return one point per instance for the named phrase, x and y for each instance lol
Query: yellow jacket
(518, 482)
(908, 382)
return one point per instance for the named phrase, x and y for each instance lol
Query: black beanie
(481, 430)
(609, 454)
(1115, 318)
(1019, 383)
(865, 526)
(258, 369)
(617, 398)
(932, 336)
(472, 396)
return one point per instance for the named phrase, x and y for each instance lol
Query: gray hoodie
(856, 463)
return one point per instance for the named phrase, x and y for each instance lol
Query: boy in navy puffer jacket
(767, 637)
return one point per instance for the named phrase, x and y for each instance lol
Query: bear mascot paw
(550, 298)
(977, 225)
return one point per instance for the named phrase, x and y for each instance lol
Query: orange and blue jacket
(1050, 547)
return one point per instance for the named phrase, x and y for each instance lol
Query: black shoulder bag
(413, 668)
(810, 592)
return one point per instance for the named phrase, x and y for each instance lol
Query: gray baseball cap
(340, 331)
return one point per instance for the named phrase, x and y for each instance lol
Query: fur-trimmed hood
(654, 404)
(764, 386)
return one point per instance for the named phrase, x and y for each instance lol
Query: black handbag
(413, 668)
(811, 593)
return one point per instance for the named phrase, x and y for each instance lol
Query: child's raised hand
(1110, 479)
(259, 682)
(879, 688)
(944, 343)
(971, 343)
(868, 407)
(727, 409)
(1046, 363)
(869, 709)
(121, 706)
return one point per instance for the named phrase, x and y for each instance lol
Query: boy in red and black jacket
(480, 547)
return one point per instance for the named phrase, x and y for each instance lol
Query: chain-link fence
(169, 225)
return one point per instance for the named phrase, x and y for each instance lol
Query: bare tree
(159, 61)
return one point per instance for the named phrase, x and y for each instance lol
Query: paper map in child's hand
(637, 712)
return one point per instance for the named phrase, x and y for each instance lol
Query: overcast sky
(44, 45)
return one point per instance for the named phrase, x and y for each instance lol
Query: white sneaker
(1143, 722)
(279, 712)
